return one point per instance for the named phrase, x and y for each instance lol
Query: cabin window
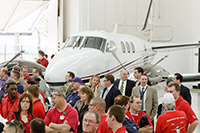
(128, 47)
(133, 47)
(94, 42)
(123, 47)
(74, 41)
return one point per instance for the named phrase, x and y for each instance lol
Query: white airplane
(100, 53)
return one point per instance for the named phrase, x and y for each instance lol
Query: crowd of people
(116, 106)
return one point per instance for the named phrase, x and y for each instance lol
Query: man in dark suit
(184, 91)
(110, 91)
(124, 84)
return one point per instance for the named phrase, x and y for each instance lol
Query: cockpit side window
(74, 41)
(128, 47)
(133, 47)
(123, 47)
(78, 42)
(94, 42)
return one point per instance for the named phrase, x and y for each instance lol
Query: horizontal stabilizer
(192, 77)
(175, 47)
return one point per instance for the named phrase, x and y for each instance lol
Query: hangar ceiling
(20, 16)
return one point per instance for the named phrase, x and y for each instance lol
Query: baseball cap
(77, 79)
(168, 98)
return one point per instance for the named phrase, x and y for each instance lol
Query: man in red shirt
(9, 103)
(38, 107)
(42, 60)
(63, 117)
(98, 105)
(24, 72)
(183, 105)
(135, 114)
(172, 121)
(115, 118)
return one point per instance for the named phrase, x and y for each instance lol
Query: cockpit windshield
(94, 42)
(74, 41)
(88, 42)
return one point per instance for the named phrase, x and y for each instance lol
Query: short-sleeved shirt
(8, 107)
(184, 106)
(70, 115)
(38, 109)
(172, 122)
(136, 118)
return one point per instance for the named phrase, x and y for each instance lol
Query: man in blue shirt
(3, 79)
(16, 75)
(73, 97)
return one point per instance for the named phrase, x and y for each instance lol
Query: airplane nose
(81, 62)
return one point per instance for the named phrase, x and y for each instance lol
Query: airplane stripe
(103, 72)
(117, 68)
(113, 70)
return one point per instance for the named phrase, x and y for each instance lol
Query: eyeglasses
(89, 121)
(25, 101)
(13, 123)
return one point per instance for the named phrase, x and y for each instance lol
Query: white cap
(168, 98)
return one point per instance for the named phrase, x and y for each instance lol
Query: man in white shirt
(124, 84)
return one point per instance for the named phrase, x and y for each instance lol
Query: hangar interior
(169, 22)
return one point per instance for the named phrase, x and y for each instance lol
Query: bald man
(124, 84)
(98, 105)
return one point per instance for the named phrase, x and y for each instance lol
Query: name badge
(62, 117)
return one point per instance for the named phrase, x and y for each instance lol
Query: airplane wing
(175, 47)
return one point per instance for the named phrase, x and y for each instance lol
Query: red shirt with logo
(69, 114)
(172, 122)
(8, 107)
(38, 109)
(136, 118)
(184, 106)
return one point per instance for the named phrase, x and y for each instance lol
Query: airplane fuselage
(98, 53)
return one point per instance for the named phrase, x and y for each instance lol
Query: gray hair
(169, 106)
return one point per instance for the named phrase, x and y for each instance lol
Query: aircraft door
(111, 46)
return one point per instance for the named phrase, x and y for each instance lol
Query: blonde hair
(90, 82)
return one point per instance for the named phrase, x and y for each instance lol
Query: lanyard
(8, 111)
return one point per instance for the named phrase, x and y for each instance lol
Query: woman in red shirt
(24, 113)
